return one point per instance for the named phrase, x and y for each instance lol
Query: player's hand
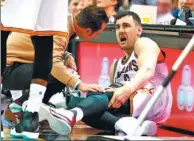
(120, 96)
(70, 63)
(90, 88)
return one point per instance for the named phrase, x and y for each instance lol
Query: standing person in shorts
(41, 19)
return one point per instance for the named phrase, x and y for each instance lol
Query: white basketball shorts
(35, 17)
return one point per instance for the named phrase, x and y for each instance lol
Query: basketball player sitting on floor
(134, 79)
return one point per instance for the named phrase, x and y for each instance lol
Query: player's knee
(93, 93)
(101, 99)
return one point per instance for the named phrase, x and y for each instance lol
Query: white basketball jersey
(126, 71)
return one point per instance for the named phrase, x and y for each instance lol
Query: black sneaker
(28, 128)
(2, 133)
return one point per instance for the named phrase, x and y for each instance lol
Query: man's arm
(59, 70)
(63, 74)
(69, 61)
(147, 52)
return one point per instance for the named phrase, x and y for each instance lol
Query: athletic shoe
(148, 128)
(60, 120)
(28, 128)
(125, 126)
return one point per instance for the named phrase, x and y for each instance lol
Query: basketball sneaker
(60, 120)
(124, 126)
(28, 128)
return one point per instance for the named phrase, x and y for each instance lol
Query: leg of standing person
(39, 21)
(17, 79)
(43, 46)
(4, 36)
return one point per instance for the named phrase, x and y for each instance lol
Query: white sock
(80, 114)
(16, 94)
(35, 97)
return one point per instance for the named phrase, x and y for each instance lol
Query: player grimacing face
(127, 32)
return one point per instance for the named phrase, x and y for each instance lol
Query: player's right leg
(138, 101)
(62, 121)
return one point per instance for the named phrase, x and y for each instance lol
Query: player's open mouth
(122, 39)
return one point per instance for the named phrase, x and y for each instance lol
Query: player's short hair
(121, 14)
(92, 17)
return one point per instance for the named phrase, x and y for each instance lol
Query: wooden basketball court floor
(80, 132)
(84, 132)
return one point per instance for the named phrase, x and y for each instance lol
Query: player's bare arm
(147, 52)
(112, 69)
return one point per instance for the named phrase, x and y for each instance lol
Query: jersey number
(126, 77)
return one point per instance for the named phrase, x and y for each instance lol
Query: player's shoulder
(145, 41)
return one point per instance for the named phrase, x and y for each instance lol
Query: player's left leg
(138, 101)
